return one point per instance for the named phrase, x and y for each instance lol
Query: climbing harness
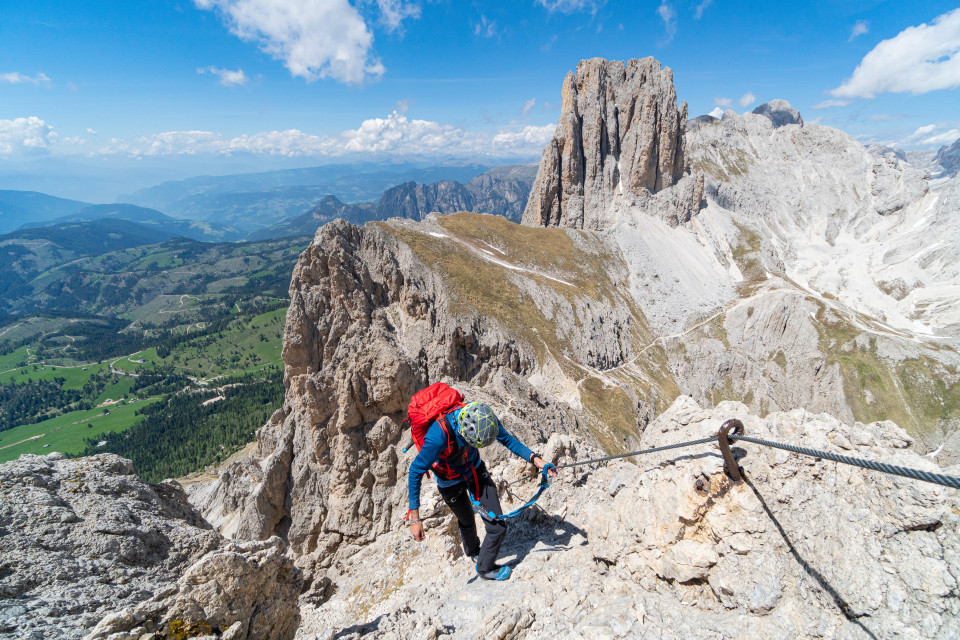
(490, 516)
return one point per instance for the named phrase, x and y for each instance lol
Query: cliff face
(372, 321)
(620, 133)
(88, 550)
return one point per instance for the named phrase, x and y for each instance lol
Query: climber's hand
(416, 526)
(551, 471)
(416, 530)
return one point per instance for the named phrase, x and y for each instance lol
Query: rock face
(670, 546)
(949, 158)
(89, 550)
(620, 134)
(369, 324)
(780, 113)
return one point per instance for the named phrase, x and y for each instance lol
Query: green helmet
(477, 424)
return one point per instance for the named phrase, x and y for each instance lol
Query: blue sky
(313, 81)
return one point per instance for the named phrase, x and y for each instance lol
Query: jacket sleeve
(433, 444)
(505, 438)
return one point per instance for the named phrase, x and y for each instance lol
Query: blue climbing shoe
(497, 573)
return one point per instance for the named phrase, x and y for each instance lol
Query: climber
(449, 449)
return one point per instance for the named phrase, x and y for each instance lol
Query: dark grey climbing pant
(456, 498)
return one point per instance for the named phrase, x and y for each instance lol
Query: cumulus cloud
(716, 113)
(530, 137)
(228, 78)
(669, 17)
(571, 6)
(947, 137)
(25, 135)
(15, 77)
(861, 27)
(827, 104)
(701, 8)
(928, 135)
(747, 99)
(394, 135)
(723, 102)
(314, 38)
(918, 60)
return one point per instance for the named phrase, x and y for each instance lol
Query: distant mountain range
(252, 201)
(18, 208)
(500, 191)
(247, 215)
(150, 218)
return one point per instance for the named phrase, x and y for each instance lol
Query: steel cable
(916, 474)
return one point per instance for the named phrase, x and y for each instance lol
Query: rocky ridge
(88, 550)
(670, 547)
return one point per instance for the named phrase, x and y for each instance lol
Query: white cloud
(716, 113)
(314, 38)
(395, 135)
(16, 77)
(861, 27)
(722, 102)
(527, 106)
(947, 137)
(571, 6)
(530, 137)
(701, 8)
(394, 12)
(228, 78)
(924, 130)
(485, 28)
(827, 104)
(669, 17)
(918, 60)
(747, 99)
(25, 135)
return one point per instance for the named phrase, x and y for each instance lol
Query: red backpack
(434, 403)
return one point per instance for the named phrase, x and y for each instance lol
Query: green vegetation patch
(70, 432)
(246, 344)
(747, 255)
(916, 393)
(535, 253)
(192, 430)
(614, 409)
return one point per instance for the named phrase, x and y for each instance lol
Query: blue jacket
(434, 444)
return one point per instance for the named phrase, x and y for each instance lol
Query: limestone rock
(780, 113)
(948, 157)
(620, 134)
(89, 550)
(802, 549)
(368, 326)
